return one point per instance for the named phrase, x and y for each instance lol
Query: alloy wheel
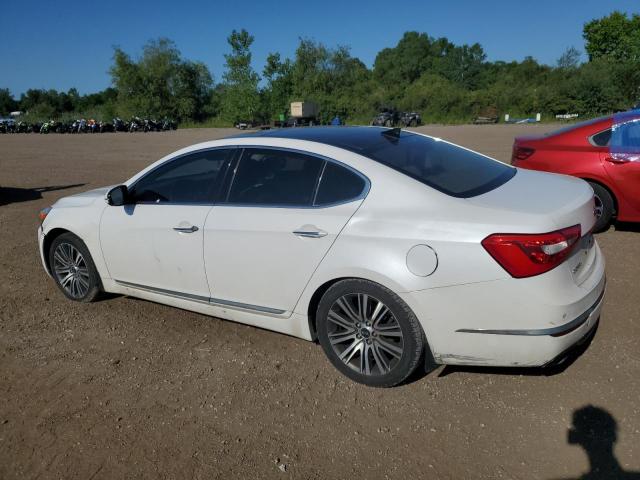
(598, 208)
(364, 334)
(71, 270)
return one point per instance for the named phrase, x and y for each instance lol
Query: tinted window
(338, 184)
(275, 177)
(625, 137)
(453, 170)
(445, 167)
(194, 178)
(602, 139)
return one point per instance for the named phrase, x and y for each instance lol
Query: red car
(605, 152)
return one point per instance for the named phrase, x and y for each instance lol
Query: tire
(73, 269)
(605, 205)
(392, 339)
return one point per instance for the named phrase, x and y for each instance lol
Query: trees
(160, 83)
(241, 99)
(279, 85)
(7, 102)
(336, 81)
(616, 37)
(442, 80)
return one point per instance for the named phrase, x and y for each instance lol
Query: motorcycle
(135, 124)
(105, 127)
(120, 125)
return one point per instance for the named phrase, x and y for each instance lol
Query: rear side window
(448, 168)
(192, 179)
(338, 185)
(275, 178)
(601, 139)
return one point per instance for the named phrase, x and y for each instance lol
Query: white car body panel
(144, 235)
(245, 257)
(249, 252)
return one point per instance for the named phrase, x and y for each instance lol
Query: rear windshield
(450, 169)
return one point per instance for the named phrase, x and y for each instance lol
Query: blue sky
(52, 44)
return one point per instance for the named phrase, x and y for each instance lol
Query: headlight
(43, 214)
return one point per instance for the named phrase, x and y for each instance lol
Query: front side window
(192, 179)
(339, 185)
(270, 177)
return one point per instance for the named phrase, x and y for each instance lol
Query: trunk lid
(547, 202)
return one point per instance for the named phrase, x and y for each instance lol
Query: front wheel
(369, 333)
(604, 207)
(73, 269)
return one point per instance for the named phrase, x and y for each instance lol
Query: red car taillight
(526, 255)
(522, 153)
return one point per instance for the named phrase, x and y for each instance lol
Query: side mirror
(118, 196)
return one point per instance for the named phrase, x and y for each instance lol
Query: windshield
(448, 168)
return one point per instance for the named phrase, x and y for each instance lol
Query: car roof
(353, 139)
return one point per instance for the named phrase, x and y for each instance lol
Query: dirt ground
(125, 388)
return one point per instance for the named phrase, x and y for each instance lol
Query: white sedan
(390, 248)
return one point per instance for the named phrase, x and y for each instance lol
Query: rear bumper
(557, 331)
(511, 322)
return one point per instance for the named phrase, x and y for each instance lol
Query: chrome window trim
(361, 196)
(202, 299)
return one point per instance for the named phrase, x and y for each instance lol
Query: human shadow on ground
(596, 431)
(15, 195)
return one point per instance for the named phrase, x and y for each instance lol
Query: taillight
(526, 255)
(522, 153)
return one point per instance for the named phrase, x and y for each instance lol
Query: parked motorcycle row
(136, 124)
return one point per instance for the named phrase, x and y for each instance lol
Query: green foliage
(569, 59)
(616, 37)
(443, 81)
(7, 102)
(331, 78)
(278, 90)
(160, 84)
(241, 100)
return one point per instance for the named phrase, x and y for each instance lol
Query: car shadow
(596, 431)
(627, 227)
(15, 195)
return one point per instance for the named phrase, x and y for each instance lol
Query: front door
(155, 242)
(263, 244)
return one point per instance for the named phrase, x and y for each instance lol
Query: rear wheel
(73, 269)
(604, 207)
(368, 333)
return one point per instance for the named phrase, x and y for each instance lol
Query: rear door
(282, 213)
(622, 160)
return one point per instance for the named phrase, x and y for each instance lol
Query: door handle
(616, 160)
(191, 229)
(310, 233)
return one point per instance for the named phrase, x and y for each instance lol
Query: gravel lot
(124, 388)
